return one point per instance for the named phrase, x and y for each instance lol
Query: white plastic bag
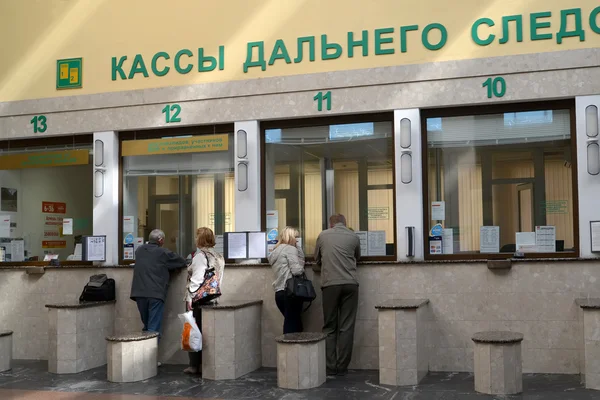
(191, 337)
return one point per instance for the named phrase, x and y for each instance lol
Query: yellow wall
(37, 33)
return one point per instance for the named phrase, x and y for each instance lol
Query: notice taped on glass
(545, 239)
(489, 239)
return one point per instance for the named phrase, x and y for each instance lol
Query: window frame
(499, 109)
(158, 133)
(330, 120)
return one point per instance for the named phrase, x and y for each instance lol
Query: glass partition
(500, 183)
(313, 172)
(179, 193)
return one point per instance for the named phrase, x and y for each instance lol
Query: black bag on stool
(99, 288)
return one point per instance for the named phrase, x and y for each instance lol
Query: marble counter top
(301, 337)
(591, 303)
(492, 337)
(86, 304)
(429, 263)
(402, 304)
(232, 304)
(132, 337)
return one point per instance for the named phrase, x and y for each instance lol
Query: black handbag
(301, 288)
(99, 288)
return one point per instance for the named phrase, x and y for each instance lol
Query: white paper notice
(219, 244)
(67, 226)
(129, 224)
(77, 253)
(236, 246)
(257, 245)
(448, 241)
(525, 242)
(489, 239)
(17, 250)
(376, 243)
(595, 230)
(364, 240)
(545, 239)
(438, 210)
(95, 248)
(272, 219)
(4, 226)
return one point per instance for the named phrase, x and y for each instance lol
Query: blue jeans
(151, 311)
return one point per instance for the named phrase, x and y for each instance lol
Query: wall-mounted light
(242, 176)
(406, 167)
(405, 133)
(98, 153)
(242, 144)
(98, 183)
(591, 121)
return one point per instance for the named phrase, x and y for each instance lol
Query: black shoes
(333, 372)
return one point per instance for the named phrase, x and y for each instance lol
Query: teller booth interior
(318, 170)
(46, 198)
(179, 193)
(512, 170)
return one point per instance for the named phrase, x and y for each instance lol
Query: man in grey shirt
(336, 253)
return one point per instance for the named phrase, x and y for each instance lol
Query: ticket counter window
(178, 192)
(46, 201)
(315, 171)
(501, 183)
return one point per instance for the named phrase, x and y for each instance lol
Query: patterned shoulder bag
(210, 288)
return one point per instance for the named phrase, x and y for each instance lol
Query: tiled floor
(30, 381)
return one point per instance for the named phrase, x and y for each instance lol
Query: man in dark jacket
(151, 279)
(336, 253)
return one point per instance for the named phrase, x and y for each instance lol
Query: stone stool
(498, 366)
(301, 360)
(133, 357)
(6, 350)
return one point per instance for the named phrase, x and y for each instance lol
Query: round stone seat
(6, 350)
(301, 360)
(497, 365)
(132, 357)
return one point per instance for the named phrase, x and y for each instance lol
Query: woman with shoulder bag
(287, 260)
(204, 258)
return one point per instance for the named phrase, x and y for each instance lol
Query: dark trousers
(291, 309)
(196, 358)
(340, 304)
(151, 312)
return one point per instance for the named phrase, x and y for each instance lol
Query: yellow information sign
(194, 144)
(45, 159)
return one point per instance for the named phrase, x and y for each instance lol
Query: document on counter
(448, 241)
(489, 239)
(219, 244)
(364, 240)
(17, 250)
(525, 242)
(376, 243)
(236, 246)
(67, 226)
(257, 245)
(595, 239)
(545, 239)
(95, 248)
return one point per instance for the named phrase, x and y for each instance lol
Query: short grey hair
(157, 235)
